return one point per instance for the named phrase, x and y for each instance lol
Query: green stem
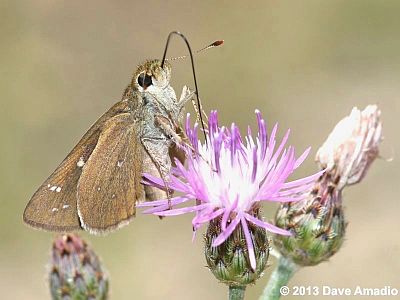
(279, 278)
(236, 292)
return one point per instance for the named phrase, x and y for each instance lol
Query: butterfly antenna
(193, 70)
(212, 45)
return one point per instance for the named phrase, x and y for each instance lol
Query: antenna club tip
(218, 43)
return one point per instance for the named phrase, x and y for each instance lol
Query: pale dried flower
(352, 145)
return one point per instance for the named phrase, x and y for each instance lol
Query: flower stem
(236, 292)
(279, 278)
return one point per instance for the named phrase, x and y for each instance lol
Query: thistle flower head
(230, 176)
(318, 221)
(352, 145)
(76, 272)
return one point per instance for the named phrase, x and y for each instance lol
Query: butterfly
(98, 184)
(96, 187)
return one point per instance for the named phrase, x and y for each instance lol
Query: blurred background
(304, 64)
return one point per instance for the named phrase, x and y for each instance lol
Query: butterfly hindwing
(54, 205)
(109, 186)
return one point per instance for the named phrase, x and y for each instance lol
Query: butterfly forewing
(54, 205)
(109, 186)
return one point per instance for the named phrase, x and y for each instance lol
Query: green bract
(230, 262)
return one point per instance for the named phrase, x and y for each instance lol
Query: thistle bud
(317, 222)
(76, 272)
(230, 261)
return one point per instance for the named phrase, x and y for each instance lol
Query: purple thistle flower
(229, 177)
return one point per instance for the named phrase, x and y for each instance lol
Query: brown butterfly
(98, 184)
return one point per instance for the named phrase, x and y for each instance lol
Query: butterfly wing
(54, 205)
(109, 186)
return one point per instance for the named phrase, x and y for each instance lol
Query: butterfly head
(150, 75)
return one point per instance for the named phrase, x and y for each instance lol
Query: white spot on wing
(54, 188)
(54, 209)
(120, 163)
(113, 196)
(65, 206)
(99, 188)
(80, 162)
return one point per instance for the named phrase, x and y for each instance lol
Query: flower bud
(76, 272)
(230, 261)
(317, 222)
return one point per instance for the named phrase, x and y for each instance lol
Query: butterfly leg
(157, 150)
(169, 128)
(163, 123)
(187, 95)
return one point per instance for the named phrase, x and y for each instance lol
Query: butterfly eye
(144, 80)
